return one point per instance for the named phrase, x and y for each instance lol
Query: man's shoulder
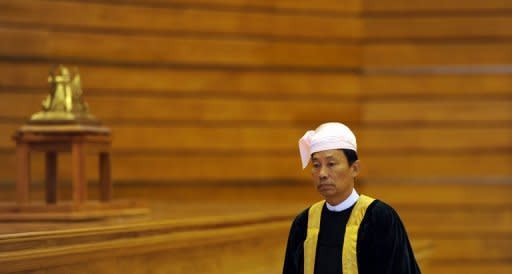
(379, 206)
(381, 212)
(302, 218)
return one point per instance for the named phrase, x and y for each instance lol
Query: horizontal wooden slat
(472, 267)
(351, 6)
(434, 166)
(499, 217)
(249, 139)
(112, 108)
(178, 167)
(436, 5)
(412, 201)
(438, 111)
(177, 19)
(457, 231)
(404, 54)
(272, 167)
(190, 138)
(434, 139)
(173, 251)
(438, 27)
(102, 79)
(118, 48)
(409, 199)
(436, 196)
(491, 248)
(373, 86)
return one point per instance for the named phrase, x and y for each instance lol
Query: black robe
(382, 243)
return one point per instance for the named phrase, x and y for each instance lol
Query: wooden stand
(55, 139)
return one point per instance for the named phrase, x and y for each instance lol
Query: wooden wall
(437, 84)
(233, 84)
(437, 93)
(193, 90)
(219, 91)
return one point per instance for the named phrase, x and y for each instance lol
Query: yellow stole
(349, 256)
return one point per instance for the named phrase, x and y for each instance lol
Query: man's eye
(316, 165)
(331, 164)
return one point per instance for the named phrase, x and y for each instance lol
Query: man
(347, 233)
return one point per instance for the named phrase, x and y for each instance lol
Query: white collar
(350, 201)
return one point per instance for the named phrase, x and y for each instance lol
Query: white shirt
(350, 201)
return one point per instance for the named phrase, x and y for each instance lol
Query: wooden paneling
(214, 82)
(494, 216)
(276, 167)
(438, 6)
(203, 93)
(446, 27)
(449, 267)
(450, 139)
(436, 85)
(469, 223)
(153, 50)
(458, 237)
(176, 167)
(247, 139)
(107, 16)
(114, 108)
(402, 55)
(203, 249)
(438, 197)
(496, 248)
(450, 111)
(438, 166)
(190, 138)
(349, 6)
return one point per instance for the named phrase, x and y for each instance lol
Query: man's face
(333, 176)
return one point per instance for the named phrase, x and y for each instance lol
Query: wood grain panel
(377, 86)
(151, 50)
(446, 27)
(438, 111)
(235, 139)
(461, 266)
(97, 17)
(436, 166)
(499, 217)
(436, 5)
(444, 54)
(348, 6)
(460, 231)
(190, 138)
(251, 139)
(459, 201)
(441, 196)
(194, 250)
(269, 168)
(113, 108)
(284, 139)
(123, 80)
(176, 167)
(434, 139)
(491, 248)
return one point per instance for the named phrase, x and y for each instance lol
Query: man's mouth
(321, 186)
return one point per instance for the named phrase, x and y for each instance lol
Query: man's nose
(322, 174)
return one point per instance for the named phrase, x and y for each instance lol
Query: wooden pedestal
(52, 140)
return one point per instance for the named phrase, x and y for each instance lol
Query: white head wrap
(326, 136)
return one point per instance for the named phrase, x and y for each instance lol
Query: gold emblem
(64, 104)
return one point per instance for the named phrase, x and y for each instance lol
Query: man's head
(332, 149)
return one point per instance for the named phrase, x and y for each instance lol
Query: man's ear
(355, 168)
